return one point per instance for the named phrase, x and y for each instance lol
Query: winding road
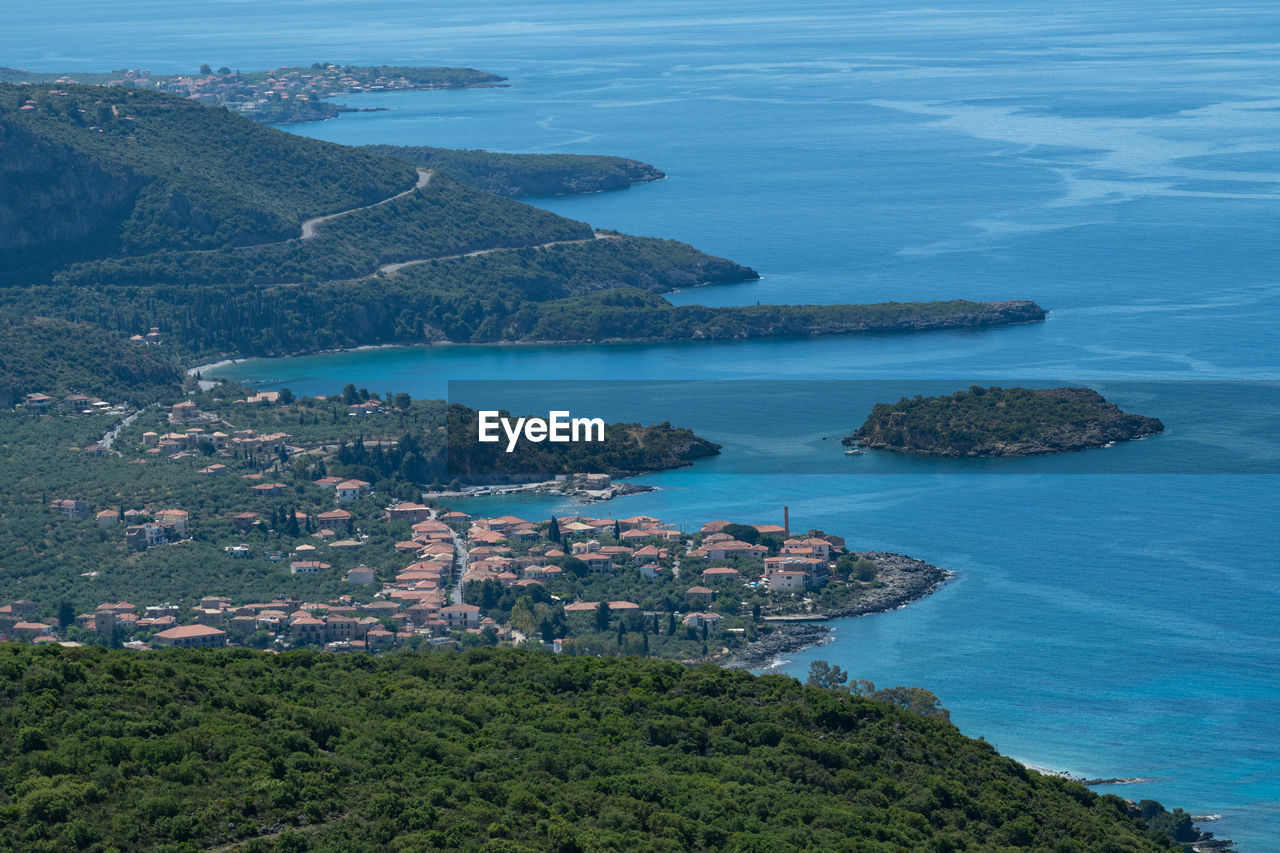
(387, 269)
(309, 227)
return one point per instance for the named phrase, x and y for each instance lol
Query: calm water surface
(1121, 166)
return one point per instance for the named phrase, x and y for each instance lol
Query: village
(287, 93)
(457, 572)
(353, 567)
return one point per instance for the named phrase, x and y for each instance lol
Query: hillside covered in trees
(499, 750)
(39, 355)
(1001, 422)
(92, 172)
(519, 175)
(131, 209)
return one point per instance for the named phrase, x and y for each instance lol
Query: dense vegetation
(499, 750)
(469, 299)
(630, 314)
(441, 219)
(526, 174)
(55, 357)
(92, 171)
(1001, 422)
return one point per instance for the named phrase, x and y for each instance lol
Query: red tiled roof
(186, 631)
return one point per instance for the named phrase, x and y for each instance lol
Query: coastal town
(284, 95)
(486, 560)
(358, 563)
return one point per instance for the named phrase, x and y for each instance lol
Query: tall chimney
(786, 522)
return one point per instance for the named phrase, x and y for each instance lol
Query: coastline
(1205, 842)
(619, 489)
(1030, 313)
(906, 579)
(227, 361)
(1084, 780)
(642, 340)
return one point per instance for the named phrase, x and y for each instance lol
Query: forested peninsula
(128, 209)
(520, 175)
(1001, 422)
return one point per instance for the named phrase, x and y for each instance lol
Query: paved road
(114, 432)
(460, 549)
(309, 227)
(387, 269)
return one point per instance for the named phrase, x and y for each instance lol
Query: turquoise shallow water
(1118, 165)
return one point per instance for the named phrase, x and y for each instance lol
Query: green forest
(43, 355)
(521, 175)
(501, 749)
(443, 218)
(94, 172)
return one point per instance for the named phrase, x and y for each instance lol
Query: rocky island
(1000, 422)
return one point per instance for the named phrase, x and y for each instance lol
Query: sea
(1114, 613)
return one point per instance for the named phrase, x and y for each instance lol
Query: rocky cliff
(54, 201)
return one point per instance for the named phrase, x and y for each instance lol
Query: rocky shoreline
(905, 579)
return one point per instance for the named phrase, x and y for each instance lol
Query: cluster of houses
(490, 559)
(801, 564)
(182, 444)
(148, 529)
(241, 441)
(142, 529)
(73, 404)
(249, 94)
(18, 621)
(416, 600)
(338, 625)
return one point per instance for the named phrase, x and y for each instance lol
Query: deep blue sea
(1115, 613)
